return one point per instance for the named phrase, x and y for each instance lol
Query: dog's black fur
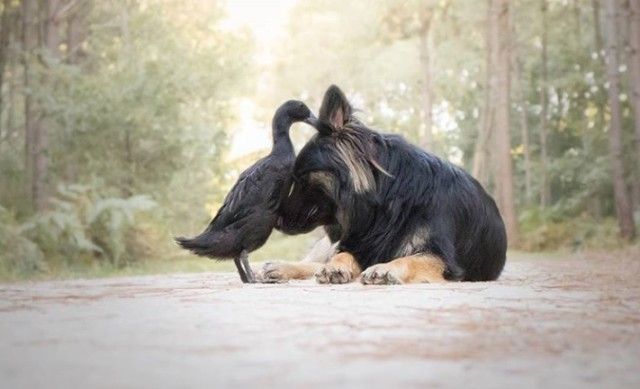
(384, 198)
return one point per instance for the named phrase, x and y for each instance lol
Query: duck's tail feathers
(206, 244)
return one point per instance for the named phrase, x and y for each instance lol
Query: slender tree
(30, 41)
(480, 169)
(524, 127)
(545, 187)
(77, 31)
(622, 202)
(416, 20)
(502, 160)
(426, 136)
(523, 103)
(634, 71)
(599, 96)
(8, 12)
(51, 26)
(576, 16)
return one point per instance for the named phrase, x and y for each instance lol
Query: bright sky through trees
(267, 21)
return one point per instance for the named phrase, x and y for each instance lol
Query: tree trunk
(77, 33)
(51, 35)
(545, 187)
(5, 31)
(524, 113)
(576, 16)
(597, 29)
(30, 11)
(634, 71)
(622, 202)
(595, 204)
(480, 169)
(524, 128)
(526, 145)
(426, 136)
(500, 60)
(127, 189)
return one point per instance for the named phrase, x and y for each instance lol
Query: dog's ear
(335, 110)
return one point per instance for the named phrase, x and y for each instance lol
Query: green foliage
(81, 227)
(148, 102)
(19, 256)
(551, 229)
(111, 219)
(140, 116)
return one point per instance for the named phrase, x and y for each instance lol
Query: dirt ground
(546, 323)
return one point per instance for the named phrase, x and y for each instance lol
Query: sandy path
(546, 323)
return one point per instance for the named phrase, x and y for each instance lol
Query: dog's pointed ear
(335, 109)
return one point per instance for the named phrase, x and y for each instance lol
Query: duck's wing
(258, 190)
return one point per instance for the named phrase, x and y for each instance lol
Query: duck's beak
(312, 120)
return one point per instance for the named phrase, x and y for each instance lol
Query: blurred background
(124, 123)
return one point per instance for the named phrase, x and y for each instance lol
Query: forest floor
(561, 322)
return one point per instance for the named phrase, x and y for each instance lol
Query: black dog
(391, 203)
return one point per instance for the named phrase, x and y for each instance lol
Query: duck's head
(297, 111)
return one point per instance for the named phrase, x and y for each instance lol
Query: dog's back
(429, 205)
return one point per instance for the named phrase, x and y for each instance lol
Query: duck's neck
(281, 141)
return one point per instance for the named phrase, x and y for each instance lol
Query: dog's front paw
(382, 274)
(273, 273)
(330, 274)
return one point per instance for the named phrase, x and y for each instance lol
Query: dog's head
(334, 168)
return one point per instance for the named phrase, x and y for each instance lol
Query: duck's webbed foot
(244, 269)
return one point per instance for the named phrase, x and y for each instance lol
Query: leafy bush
(550, 229)
(110, 219)
(80, 227)
(19, 256)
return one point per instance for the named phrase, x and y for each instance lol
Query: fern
(80, 225)
(18, 255)
(111, 218)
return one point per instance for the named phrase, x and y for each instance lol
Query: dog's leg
(406, 270)
(277, 272)
(340, 269)
(322, 251)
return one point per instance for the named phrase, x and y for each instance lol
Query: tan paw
(381, 274)
(330, 274)
(273, 273)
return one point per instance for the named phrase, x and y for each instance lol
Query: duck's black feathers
(250, 210)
